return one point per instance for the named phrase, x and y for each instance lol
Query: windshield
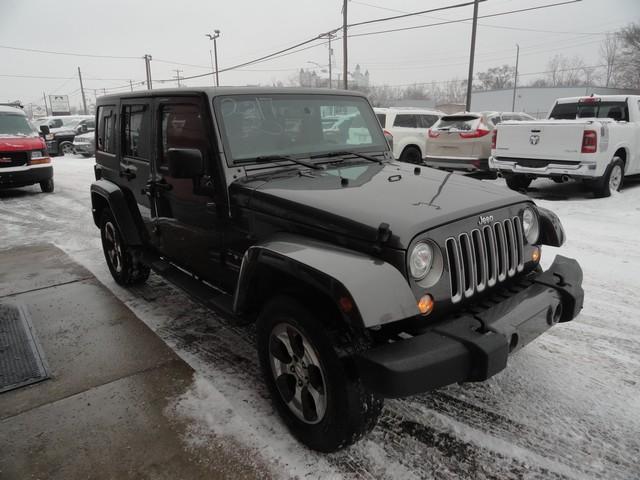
(296, 125)
(570, 111)
(11, 124)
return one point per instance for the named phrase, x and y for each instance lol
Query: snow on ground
(567, 406)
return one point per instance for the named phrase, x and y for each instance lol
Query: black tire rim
(112, 247)
(298, 373)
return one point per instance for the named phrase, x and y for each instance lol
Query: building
(536, 101)
(311, 79)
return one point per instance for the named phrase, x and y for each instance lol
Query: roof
(605, 98)
(408, 110)
(5, 109)
(217, 91)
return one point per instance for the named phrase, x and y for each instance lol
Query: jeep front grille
(484, 257)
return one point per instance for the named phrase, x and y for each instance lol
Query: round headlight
(421, 260)
(530, 226)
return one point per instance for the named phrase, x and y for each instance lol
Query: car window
(135, 131)
(182, 126)
(496, 119)
(462, 123)
(510, 116)
(590, 109)
(426, 121)
(382, 118)
(405, 120)
(55, 123)
(106, 129)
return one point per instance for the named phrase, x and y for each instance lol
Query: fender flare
(379, 292)
(117, 203)
(551, 230)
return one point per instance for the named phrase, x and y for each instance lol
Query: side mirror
(185, 163)
(84, 128)
(44, 130)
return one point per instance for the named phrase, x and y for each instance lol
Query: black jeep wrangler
(367, 277)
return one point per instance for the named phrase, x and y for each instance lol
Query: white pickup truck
(594, 139)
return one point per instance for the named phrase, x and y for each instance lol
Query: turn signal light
(426, 304)
(38, 161)
(535, 255)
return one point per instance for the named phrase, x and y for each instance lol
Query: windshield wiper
(270, 158)
(344, 153)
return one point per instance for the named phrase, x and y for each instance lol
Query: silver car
(85, 144)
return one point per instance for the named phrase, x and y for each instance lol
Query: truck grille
(486, 256)
(13, 159)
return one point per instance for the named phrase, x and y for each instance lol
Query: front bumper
(467, 164)
(475, 346)
(84, 148)
(23, 176)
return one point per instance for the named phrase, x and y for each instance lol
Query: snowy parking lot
(567, 406)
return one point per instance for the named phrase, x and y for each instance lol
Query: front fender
(378, 290)
(551, 231)
(113, 196)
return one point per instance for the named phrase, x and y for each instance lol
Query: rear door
(106, 145)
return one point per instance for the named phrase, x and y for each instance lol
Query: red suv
(24, 159)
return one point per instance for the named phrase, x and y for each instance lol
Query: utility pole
(177, 70)
(131, 84)
(515, 79)
(472, 55)
(147, 63)
(84, 100)
(345, 63)
(46, 108)
(214, 37)
(330, 36)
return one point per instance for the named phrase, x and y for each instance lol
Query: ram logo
(485, 220)
(534, 139)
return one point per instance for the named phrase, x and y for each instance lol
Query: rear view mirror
(185, 163)
(44, 129)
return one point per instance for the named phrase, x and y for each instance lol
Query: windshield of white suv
(296, 125)
(15, 125)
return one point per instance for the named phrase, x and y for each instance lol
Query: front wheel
(124, 268)
(47, 185)
(66, 148)
(518, 182)
(318, 399)
(611, 181)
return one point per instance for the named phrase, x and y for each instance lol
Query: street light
(216, 34)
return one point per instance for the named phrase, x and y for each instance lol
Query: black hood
(355, 199)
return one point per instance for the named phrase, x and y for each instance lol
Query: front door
(189, 212)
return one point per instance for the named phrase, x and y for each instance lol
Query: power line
(464, 19)
(34, 50)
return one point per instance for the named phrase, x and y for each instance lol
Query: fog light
(535, 255)
(425, 305)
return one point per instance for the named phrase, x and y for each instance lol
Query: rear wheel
(320, 402)
(66, 148)
(411, 154)
(47, 185)
(124, 268)
(518, 182)
(611, 181)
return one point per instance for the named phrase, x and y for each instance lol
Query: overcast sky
(174, 31)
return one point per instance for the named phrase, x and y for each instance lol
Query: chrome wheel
(66, 148)
(298, 373)
(112, 246)
(615, 178)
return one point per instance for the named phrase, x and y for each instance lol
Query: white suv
(408, 127)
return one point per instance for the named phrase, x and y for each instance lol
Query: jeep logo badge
(534, 139)
(485, 220)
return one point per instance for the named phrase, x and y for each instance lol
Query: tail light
(433, 134)
(479, 132)
(589, 141)
(494, 139)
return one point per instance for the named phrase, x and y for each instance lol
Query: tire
(47, 186)
(66, 148)
(124, 269)
(612, 179)
(341, 411)
(518, 182)
(411, 154)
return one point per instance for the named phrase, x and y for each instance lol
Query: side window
(182, 126)
(495, 119)
(426, 121)
(106, 129)
(382, 118)
(405, 120)
(135, 131)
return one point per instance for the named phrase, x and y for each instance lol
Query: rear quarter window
(405, 120)
(382, 118)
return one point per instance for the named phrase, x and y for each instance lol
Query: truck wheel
(611, 181)
(411, 155)
(321, 404)
(124, 269)
(518, 182)
(86, 155)
(47, 186)
(66, 148)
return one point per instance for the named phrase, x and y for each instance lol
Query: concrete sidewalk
(102, 414)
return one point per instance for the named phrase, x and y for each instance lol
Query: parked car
(85, 144)
(406, 130)
(366, 277)
(23, 154)
(594, 139)
(63, 129)
(462, 141)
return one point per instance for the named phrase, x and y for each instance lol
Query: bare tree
(629, 64)
(609, 52)
(565, 72)
(496, 78)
